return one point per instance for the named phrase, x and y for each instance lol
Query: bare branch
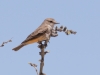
(34, 65)
(64, 29)
(5, 42)
(42, 53)
(42, 59)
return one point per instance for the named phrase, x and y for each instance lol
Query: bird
(42, 33)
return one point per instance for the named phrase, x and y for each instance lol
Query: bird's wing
(38, 32)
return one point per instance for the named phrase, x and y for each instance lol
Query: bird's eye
(50, 21)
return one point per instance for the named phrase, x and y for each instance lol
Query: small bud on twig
(5, 42)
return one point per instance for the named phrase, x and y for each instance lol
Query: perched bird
(42, 33)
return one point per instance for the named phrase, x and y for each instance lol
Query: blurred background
(69, 55)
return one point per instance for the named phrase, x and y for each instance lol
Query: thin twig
(34, 65)
(5, 42)
(64, 29)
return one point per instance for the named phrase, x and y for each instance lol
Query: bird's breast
(49, 27)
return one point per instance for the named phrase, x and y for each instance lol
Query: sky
(69, 54)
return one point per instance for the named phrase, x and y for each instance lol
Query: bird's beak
(56, 22)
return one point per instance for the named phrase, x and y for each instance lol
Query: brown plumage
(18, 47)
(43, 32)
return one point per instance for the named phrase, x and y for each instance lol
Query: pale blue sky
(69, 55)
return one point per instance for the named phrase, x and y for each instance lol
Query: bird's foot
(40, 44)
(45, 44)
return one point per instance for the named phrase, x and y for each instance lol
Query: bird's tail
(18, 47)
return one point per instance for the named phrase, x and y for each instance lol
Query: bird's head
(51, 21)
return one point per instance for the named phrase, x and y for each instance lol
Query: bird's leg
(40, 44)
(45, 43)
